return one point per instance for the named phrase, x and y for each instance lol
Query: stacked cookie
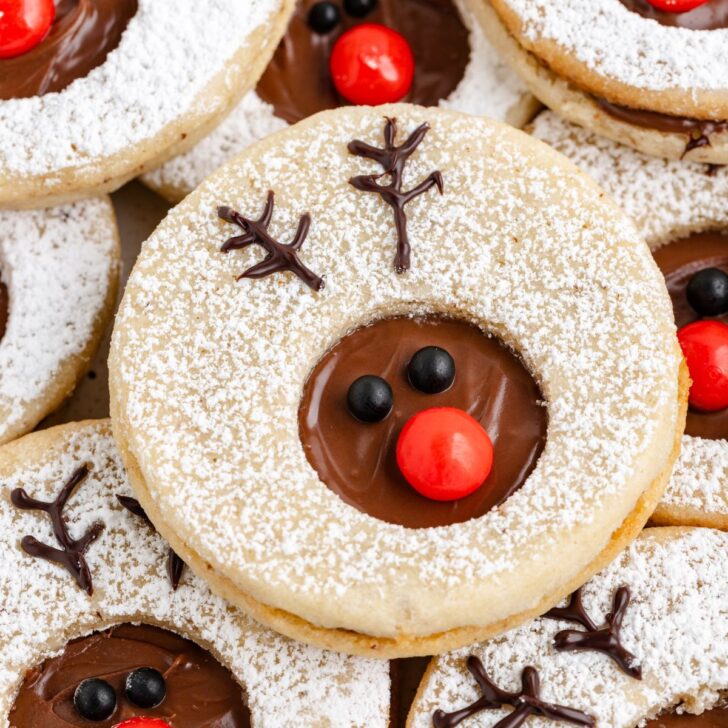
(393, 380)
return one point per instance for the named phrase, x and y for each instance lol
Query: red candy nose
(705, 346)
(143, 723)
(676, 6)
(444, 453)
(24, 24)
(371, 65)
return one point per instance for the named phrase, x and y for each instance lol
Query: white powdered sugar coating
(58, 265)
(622, 45)
(667, 199)
(208, 372)
(488, 88)
(675, 624)
(287, 684)
(169, 52)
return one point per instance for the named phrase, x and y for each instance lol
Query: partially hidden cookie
(113, 88)
(455, 67)
(626, 69)
(59, 274)
(262, 300)
(641, 644)
(91, 592)
(682, 210)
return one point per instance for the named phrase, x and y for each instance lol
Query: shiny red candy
(444, 453)
(705, 346)
(24, 24)
(143, 723)
(372, 64)
(676, 6)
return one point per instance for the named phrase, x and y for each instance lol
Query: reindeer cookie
(454, 66)
(641, 644)
(302, 331)
(58, 276)
(95, 93)
(646, 73)
(102, 625)
(682, 210)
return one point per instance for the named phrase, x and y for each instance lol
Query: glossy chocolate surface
(711, 16)
(679, 261)
(200, 692)
(358, 462)
(716, 718)
(297, 83)
(81, 37)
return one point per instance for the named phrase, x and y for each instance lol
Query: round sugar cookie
(682, 210)
(62, 626)
(469, 77)
(59, 270)
(643, 643)
(118, 87)
(232, 357)
(621, 69)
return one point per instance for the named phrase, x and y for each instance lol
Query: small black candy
(359, 8)
(707, 292)
(324, 17)
(146, 687)
(94, 699)
(431, 370)
(370, 399)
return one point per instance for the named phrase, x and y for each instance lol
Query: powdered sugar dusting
(287, 684)
(667, 199)
(58, 265)
(488, 88)
(166, 57)
(208, 372)
(675, 624)
(620, 44)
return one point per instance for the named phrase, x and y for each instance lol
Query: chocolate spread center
(358, 461)
(200, 692)
(716, 718)
(711, 16)
(297, 83)
(83, 34)
(679, 261)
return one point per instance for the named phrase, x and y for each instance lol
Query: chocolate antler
(605, 639)
(393, 159)
(526, 703)
(175, 565)
(280, 257)
(72, 555)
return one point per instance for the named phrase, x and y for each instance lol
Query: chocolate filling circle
(83, 34)
(715, 718)
(357, 461)
(297, 82)
(711, 16)
(201, 693)
(679, 261)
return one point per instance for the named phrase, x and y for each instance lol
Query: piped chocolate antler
(280, 257)
(72, 554)
(393, 159)
(525, 703)
(175, 565)
(605, 639)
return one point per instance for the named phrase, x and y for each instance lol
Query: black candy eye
(146, 688)
(370, 399)
(94, 699)
(431, 370)
(324, 17)
(707, 292)
(359, 8)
